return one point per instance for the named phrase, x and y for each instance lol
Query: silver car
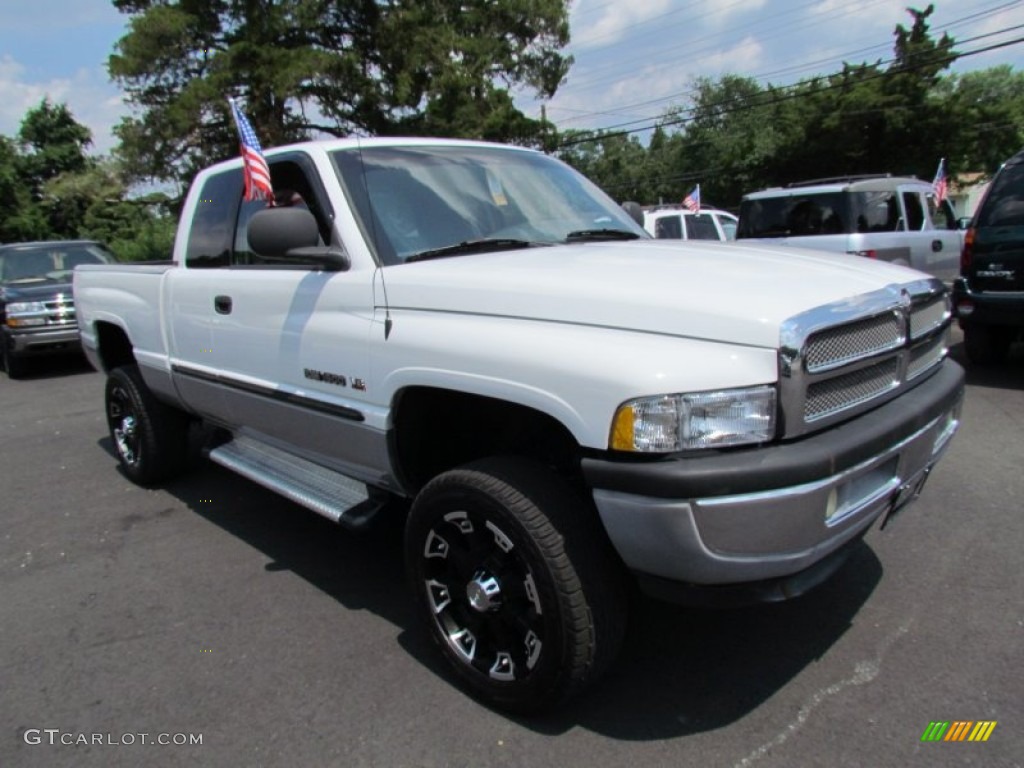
(888, 218)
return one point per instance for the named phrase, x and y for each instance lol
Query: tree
(329, 66)
(619, 164)
(19, 219)
(52, 143)
(735, 135)
(51, 189)
(986, 115)
(733, 131)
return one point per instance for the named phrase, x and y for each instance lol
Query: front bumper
(44, 341)
(765, 513)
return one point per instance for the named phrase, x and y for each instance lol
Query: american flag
(692, 200)
(257, 174)
(940, 187)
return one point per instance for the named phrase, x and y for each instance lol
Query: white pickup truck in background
(477, 334)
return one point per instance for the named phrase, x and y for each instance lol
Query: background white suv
(679, 223)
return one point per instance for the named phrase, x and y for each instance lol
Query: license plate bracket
(904, 495)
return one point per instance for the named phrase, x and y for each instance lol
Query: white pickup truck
(566, 403)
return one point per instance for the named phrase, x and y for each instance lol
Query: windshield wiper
(483, 245)
(582, 235)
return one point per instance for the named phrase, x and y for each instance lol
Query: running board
(326, 492)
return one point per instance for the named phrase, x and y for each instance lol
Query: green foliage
(52, 142)
(150, 240)
(990, 103)
(735, 135)
(331, 66)
(51, 189)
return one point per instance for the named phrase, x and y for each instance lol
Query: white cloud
(92, 99)
(720, 14)
(615, 22)
(644, 94)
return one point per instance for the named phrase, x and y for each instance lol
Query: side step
(322, 490)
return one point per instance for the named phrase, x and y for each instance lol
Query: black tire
(986, 345)
(516, 581)
(150, 438)
(14, 365)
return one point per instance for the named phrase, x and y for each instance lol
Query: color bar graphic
(958, 730)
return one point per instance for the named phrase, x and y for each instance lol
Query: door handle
(936, 245)
(222, 304)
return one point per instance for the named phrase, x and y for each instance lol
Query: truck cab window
(213, 224)
(668, 228)
(292, 188)
(914, 210)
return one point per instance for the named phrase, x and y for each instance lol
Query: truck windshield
(417, 199)
(52, 262)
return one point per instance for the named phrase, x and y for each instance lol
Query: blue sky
(634, 58)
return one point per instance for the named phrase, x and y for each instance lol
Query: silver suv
(889, 218)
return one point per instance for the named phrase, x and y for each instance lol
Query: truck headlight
(681, 422)
(21, 314)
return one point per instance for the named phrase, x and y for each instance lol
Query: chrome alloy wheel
(124, 426)
(483, 596)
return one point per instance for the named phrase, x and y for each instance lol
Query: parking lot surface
(211, 622)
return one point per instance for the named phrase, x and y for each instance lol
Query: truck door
(932, 250)
(287, 348)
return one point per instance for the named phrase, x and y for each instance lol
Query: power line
(738, 106)
(622, 110)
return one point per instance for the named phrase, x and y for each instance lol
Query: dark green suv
(988, 298)
(37, 312)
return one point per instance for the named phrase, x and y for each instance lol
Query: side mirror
(635, 211)
(293, 233)
(964, 222)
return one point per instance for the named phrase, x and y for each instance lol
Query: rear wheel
(151, 438)
(516, 581)
(985, 344)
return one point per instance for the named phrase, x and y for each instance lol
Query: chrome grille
(924, 356)
(841, 392)
(60, 311)
(834, 347)
(844, 358)
(928, 315)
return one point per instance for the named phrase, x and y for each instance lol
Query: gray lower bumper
(753, 536)
(44, 341)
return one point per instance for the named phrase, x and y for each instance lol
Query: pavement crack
(863, 672)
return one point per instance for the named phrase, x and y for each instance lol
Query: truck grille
(840, 392)
(60, 311)
(836, 346)
(841, 359)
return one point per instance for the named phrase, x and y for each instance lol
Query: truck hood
(736, 293)
(34, 289)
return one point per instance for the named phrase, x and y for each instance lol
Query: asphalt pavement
(211, 622)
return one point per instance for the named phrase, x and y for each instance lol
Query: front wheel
(516, 581)
(150, 438)
(12, 363)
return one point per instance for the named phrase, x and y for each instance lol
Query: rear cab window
(668, 228)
